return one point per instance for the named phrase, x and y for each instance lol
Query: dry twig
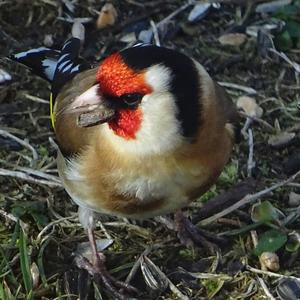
(248, 199)
(265, 288)
(271, 274)
(239, 87)
(251, 162)
(21, 142)
(26, 177)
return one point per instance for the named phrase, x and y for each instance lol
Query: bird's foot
(118, 289)
(191, 235)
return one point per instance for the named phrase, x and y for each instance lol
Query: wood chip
(249, 106)
(281, 140)
(233, 39)
(107, 17)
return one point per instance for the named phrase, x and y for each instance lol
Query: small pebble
(294, 199)
(269, 261)
(48, 40)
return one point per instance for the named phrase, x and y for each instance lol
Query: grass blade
(25, 265)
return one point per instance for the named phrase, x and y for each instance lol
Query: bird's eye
(132, 99)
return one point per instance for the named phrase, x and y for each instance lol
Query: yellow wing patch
(52, 115)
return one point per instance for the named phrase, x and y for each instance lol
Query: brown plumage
(101, 168)
(164, 132)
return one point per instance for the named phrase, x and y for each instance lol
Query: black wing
(68, 65)
(56, 66)
(42, 61)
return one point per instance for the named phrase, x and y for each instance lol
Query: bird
(141, 134)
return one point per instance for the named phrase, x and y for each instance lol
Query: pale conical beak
(92, 109)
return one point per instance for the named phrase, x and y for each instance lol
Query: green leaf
(283, 41)
(229, 174)
(43, 151)
(270, 241)
(35, 209)
(18, 211)
(40, 219)
(264, 212)
(293, 243)
(97, 293)
(293, 28)
(2, 292)
(6, 257)
(212, 287)
(287, 12)
(25, 265)
(292, 246)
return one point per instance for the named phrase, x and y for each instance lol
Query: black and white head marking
(184, 84)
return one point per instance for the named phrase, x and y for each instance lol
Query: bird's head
(154, 92)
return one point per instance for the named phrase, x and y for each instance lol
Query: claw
(98, 270)
(190, 235)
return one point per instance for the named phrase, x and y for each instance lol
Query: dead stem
(248, 199)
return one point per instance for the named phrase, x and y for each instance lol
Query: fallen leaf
(35, 275)
(272, 6)
(199, 12)
(282, 139)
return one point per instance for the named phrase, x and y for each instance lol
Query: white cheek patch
(160, 128)
(158, 77)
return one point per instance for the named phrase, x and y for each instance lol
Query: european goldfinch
(141, 134)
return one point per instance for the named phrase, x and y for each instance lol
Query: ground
(39, 229)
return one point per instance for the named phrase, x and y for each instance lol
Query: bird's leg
(97, 267)
(189, 234)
